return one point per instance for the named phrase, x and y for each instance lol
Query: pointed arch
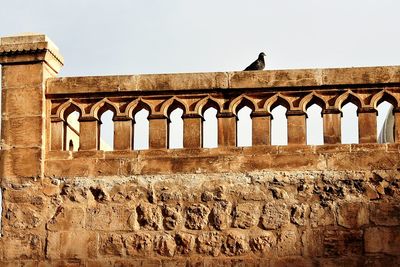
(311, 99)
(136, 105)
(384, 96)
(67, 108)
(171, 104)
(277, 100)
(102, 106)
(347, 97)
(206, 103)
(241, 101)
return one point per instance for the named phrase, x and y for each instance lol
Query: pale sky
(98, 37)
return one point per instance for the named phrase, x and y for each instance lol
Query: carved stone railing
(227, 93)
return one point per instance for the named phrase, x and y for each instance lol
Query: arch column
(332, 126)
(296, 120)
(396, 130)
(123, 129)
(367, 125)
(192, 130)
(261, 128)
(158, 131)
(89, 133)
(226, 129)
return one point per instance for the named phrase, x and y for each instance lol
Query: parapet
(67, 202)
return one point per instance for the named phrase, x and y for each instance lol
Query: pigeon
(259, 64)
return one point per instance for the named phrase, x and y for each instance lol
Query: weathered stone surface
(220, 217)
(352, 215)
(339, 243)
(385, 214)
(246, 215)
(165, 245)
(289, 242)
(185, 243)
(264, 242)
(196, 216)
(138, 244)
(172, 217)
(111, 217)
(382, 240)
(299, 214)
(149, 216)
(235, 244)
(111, 245)
(274, 216)
(209, 243)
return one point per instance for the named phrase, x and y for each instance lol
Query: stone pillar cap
(30, 47)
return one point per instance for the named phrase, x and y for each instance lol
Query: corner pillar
(27, 62)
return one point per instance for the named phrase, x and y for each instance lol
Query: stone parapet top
(294, 78)
(30, 47)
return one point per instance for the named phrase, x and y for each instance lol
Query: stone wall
(295, 205)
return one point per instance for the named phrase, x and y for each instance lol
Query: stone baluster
(332, 126)
(57, 134)
(192, 129)
(123, 130)
(89, 133)
(158, 131)
(226, 129)
(261, 128)
(296, 120)
(367, 125)
(396, 130)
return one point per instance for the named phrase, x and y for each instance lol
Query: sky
(99, 37)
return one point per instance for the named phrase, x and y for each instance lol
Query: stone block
(220, 217)
(22, 76)
(352, 214)
(196, 216)
(274, 216)
(165, 245)
(23, 131)
(22, 102)
(382, 240)
(149, 216)
(22, 246)
(385, 214)
(69, 168)
(341, 243)
(246, 215)
(21, 162)
(111, 244)
(264, 242)
(185, 243)
(235, 244)
(138, 244)
(22, 217)
(209, 243)
(172, 217)
(71, 244)
(111, 217)
(67, 218)
(289, 242)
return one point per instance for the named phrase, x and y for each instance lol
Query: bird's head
(262, 54)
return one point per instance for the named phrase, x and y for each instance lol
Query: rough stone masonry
(265, 205)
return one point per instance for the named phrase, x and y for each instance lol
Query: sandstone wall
(295, 205)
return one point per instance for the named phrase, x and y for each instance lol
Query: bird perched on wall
(259, 64)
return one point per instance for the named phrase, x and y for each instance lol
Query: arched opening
(279, 132)
(385, 123)
(314, 125)
(175, 128)
(349, 124)
(210, 128)
(107, 131)
(244, 127)
(141, 130)
(71, 131)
